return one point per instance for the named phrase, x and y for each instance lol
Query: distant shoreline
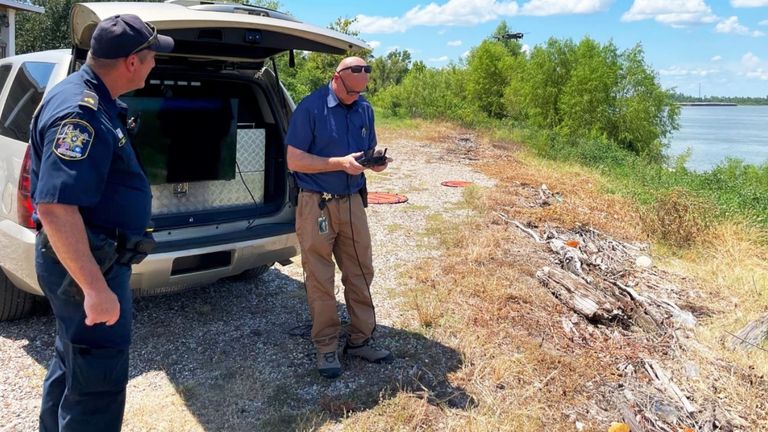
(706, 104)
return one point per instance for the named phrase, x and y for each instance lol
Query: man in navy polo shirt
(328, 133)
(88, 190)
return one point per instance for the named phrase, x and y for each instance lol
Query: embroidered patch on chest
(73, 140)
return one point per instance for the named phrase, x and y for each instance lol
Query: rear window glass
(24, 96)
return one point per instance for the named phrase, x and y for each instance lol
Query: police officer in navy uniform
(87, 184)
(329, 132)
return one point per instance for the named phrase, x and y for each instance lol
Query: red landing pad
(386, 198)
(456, 183)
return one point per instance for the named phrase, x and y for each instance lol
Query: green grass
(416, 208)
(393, 123)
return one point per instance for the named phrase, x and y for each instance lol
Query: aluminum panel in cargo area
(207, 195)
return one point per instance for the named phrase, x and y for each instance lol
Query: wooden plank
(662, 380)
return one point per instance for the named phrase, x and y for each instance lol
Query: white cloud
(454, 43)
(758, 73)
(750, 61)
(763, 22)
(748, 3)
(466, 54)
(369, 24)
(472, 12)
(754, 67)
(678, 71)
(675, 13)
(439, 59)
(525, 48)
(392, 48)
(442, 32)
(716, 58)
(374, 44)
(451, 13)
(732, 25)
(564, 7)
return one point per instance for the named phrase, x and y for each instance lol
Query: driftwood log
(662, 381)
(752, 335)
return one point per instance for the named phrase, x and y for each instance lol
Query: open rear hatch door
(216, 31)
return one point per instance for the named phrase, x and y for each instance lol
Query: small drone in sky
(510, 36)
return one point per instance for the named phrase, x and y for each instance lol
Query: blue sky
(720, 45)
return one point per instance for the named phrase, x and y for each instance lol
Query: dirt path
(234, 355)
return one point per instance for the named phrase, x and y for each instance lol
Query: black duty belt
(327, 196)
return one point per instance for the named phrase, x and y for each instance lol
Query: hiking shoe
(328, 364)
(369, 352)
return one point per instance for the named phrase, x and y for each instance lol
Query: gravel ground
(234, 355)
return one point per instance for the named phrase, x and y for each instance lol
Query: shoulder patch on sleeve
(89, 99)
(73, 140)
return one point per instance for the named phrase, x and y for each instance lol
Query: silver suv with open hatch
(209, 127)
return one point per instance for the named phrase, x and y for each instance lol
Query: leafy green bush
(490, 68)
(430, 94)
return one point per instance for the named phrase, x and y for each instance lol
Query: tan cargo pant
(349, 242)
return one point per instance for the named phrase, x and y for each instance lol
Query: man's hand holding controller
(375, 159)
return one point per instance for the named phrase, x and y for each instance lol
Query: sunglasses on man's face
(356, 69)
(149, 42)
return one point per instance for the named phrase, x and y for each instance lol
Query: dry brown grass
(166, 410)
(584, 201)
(679, 218)
(404, 412)
(732, 267)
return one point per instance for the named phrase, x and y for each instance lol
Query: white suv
(210, 126)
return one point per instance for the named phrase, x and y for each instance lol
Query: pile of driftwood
(613, 285)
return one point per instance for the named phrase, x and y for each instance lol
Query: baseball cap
(122, 35)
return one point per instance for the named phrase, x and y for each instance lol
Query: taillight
(24, 207)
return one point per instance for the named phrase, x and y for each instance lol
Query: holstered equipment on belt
(293, 190)
(364, 192)
(127, 250)
(132, 249)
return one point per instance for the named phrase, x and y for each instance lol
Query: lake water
(714, 133)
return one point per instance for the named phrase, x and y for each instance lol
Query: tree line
(739, 100)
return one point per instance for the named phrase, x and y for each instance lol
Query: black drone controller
(369, 159)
